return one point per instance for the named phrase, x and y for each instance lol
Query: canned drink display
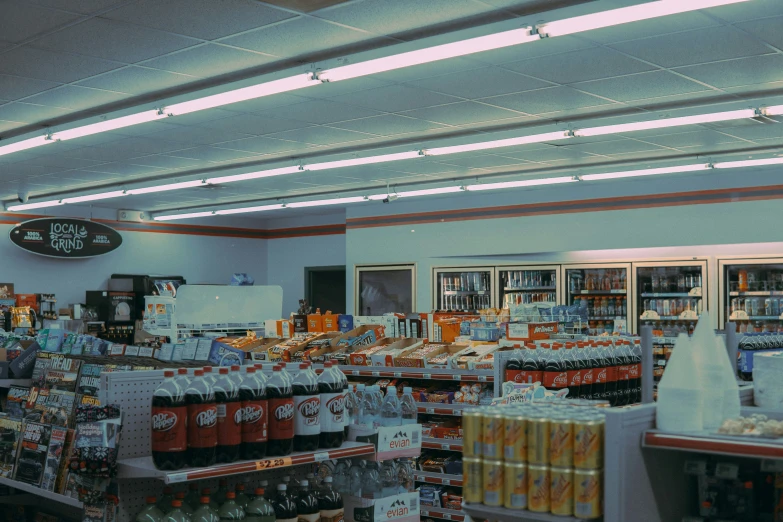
(538, 439)
(515, 490)
(561, 491)
(561, 442)
(538, 488)
(471, 433)
(472, 483)
(589, 442)
(492, 477)
(492, 435)
(588, 493)
(515, 437)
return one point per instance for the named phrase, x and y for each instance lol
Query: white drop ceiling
(62, 61)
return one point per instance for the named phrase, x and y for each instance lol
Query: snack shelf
(600, 292)
(7, 383)
(442, 409)
(38, 492)
(500, 514)
(445, 514)
(754, 447)
(442, 444)
(437, 478)
(142, 467)
(442, 374)
(529, 289)
(756, 293)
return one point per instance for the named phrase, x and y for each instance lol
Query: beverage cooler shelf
(600, 292)
(714, 444)
(668, 318)
(604, 317)
(668, 294)
(437, 374)
(38, 492)
(500, 514)
(142, 467)
(465, 292)
(7, 383)
(445, 514)
(443, 479)
(442, 409)
(529, 289)
(442, 444)
(757, 293)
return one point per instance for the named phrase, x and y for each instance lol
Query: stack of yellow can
(543, 457)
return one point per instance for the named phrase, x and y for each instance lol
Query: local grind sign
(64, 237)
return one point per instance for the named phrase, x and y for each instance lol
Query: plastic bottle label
(202, 425)
(229, 423)
(281, 418)
(611, 374)
(624, 372)
(635, 371)
(523, 376)
(555, 380)
(574, 378)
(254, 421)
(600, 376)
(332, 412)
(333, 515)
(588, 376)
(169, 429)
(307, 410)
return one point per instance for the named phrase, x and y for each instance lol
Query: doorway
(325, 288)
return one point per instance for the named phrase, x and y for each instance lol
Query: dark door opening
(325, 288)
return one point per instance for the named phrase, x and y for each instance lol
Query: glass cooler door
(751, 294)
(521, 285)
(603, 289)
(670, 295)
(463, 289)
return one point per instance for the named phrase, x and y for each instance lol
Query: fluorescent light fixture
(645, 172)
(164, 188)
(521, 183)
(94, 197)
(243, 210)
(300, 81)
(323, 202)
(775, 110)
(509, 142)
(626, 15)
(667, 122)
(24, 144)
(430, 54)
(748, 163)
(191, 215)
(109, 125)
(253, 175)
(364, 161)
(429, 192)
(37, 204)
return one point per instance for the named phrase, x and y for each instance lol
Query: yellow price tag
(273, 463)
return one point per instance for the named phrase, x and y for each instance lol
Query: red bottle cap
(240, 487)
(168, 373)
(182, 371)
(199, 373)
(205, 500)
(206, 491)
(276, 368)
(207, 369)
(176, 503)
(259, 491)
(235, 368)
(151, 500)
(231, 494)
(180, 495)
(251, 370)
(223, 371)
(303, 366)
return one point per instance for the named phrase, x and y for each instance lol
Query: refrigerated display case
(669, 295)
(463, 289)
(521, 285)
(751, 294)
(604, 291)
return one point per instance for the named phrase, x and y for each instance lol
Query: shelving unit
(50, 496)
(438, 478)
(753, 447)
(445, 514)
(442, 444)
(7, 383)
(500, 514)
(442, 409)
(435, 374)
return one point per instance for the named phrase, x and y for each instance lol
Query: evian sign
(65, 237)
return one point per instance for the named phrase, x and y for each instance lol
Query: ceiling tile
(735, 73)
(124, 169)
(22, 21)
(550, 154)
(253, 124)
(691, 139)
(486, 161)
(758, 132)
(387, 125)
(53, 66)
(614, 147)
(321, 136)
(265, 145)
(320, 112)
(653, 27)
(655, 84)
(137, 80)
(166, 162)
(297, 37)
(393, 98)
(767, 29)
(114, 40)
(545, 101)
(480, 83)
(331, 90)
(545, 47)
(748, 10)
(462, 113)
(78, 6)
(15, 87)
(692, 47)
(9, 125)
(578, 66)
(428, 70)
(205, 19)
(132, 147)
(29, 113)
(209, 60)
(196, 135)
(75, 98)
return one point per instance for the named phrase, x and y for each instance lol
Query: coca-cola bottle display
(255, 415)
(176, 514)
(589, 363)
(231, 510)
(573, 371)
(150, 513)
(164, 504)
(206, 492)
(205, 512)
(306, 504)
(284, 505)
(330, 503)
(307, 409)
(612, 371)
(624, 373)
(513, 369)
(555, 375)
(330, 388)
(184, 506)
(636, 372)
(229, 418)
(202, 421)
(281, 414)
(193, 498)
(169, 426)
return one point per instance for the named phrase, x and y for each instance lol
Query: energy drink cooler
(604, 290)
(522, 285)
(669, 295)
(463, 289)
(750, 293)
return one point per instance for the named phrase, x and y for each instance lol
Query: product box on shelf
(227, 351)
(388, 354)
(391, 442)
(330, 321)
(22, 366)
(315, 322)
(477, 356)
(398, 508)
(345, 322)
(430, 356)
(283, 351)
(446, 330)
(517, 331)
(767, 375)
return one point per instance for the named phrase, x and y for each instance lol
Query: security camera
(23, 197)
(390, 198)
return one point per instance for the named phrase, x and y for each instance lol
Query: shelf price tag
(376, 374)
(174, 478)
(355, 373)
(695, 467)
(447, 516)
(457, 377)
(429, 410)
(397, 375)
(482, 378)
(445, 446)
(725, 470)
(426, 376)
(273, 463)
(321, 456)
(445, 482)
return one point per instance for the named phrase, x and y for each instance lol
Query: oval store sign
(65, 237)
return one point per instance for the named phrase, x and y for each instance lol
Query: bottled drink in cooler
(255, 415)
(183, 506)
(176, 514)
(193, 498)
(164, 504)
(206, 492)
(281, 414)
(229, 413)
(202, 422)
(390, 409)
(169, 426)
(284, 506)
(241, 498)
(408, 409)
(150, 513)
(330, 387)
(230, 510)
(330, 503)
(307, 504)
(307, 406)
(205, 512)
(259, 509)
(220, 494)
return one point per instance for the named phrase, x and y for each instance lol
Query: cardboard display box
(530, 331)
(223, 354)
(426, 361)
(387, 355)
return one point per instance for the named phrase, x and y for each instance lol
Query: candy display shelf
(443, 479)
(501, 514)
(442, 444)
(442, 513)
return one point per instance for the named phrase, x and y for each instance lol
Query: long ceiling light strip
(668, 122)
(110, 125)
(521, 183)
(645, 172)
(31, 143)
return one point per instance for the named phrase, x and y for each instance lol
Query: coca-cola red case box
(530, 331)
